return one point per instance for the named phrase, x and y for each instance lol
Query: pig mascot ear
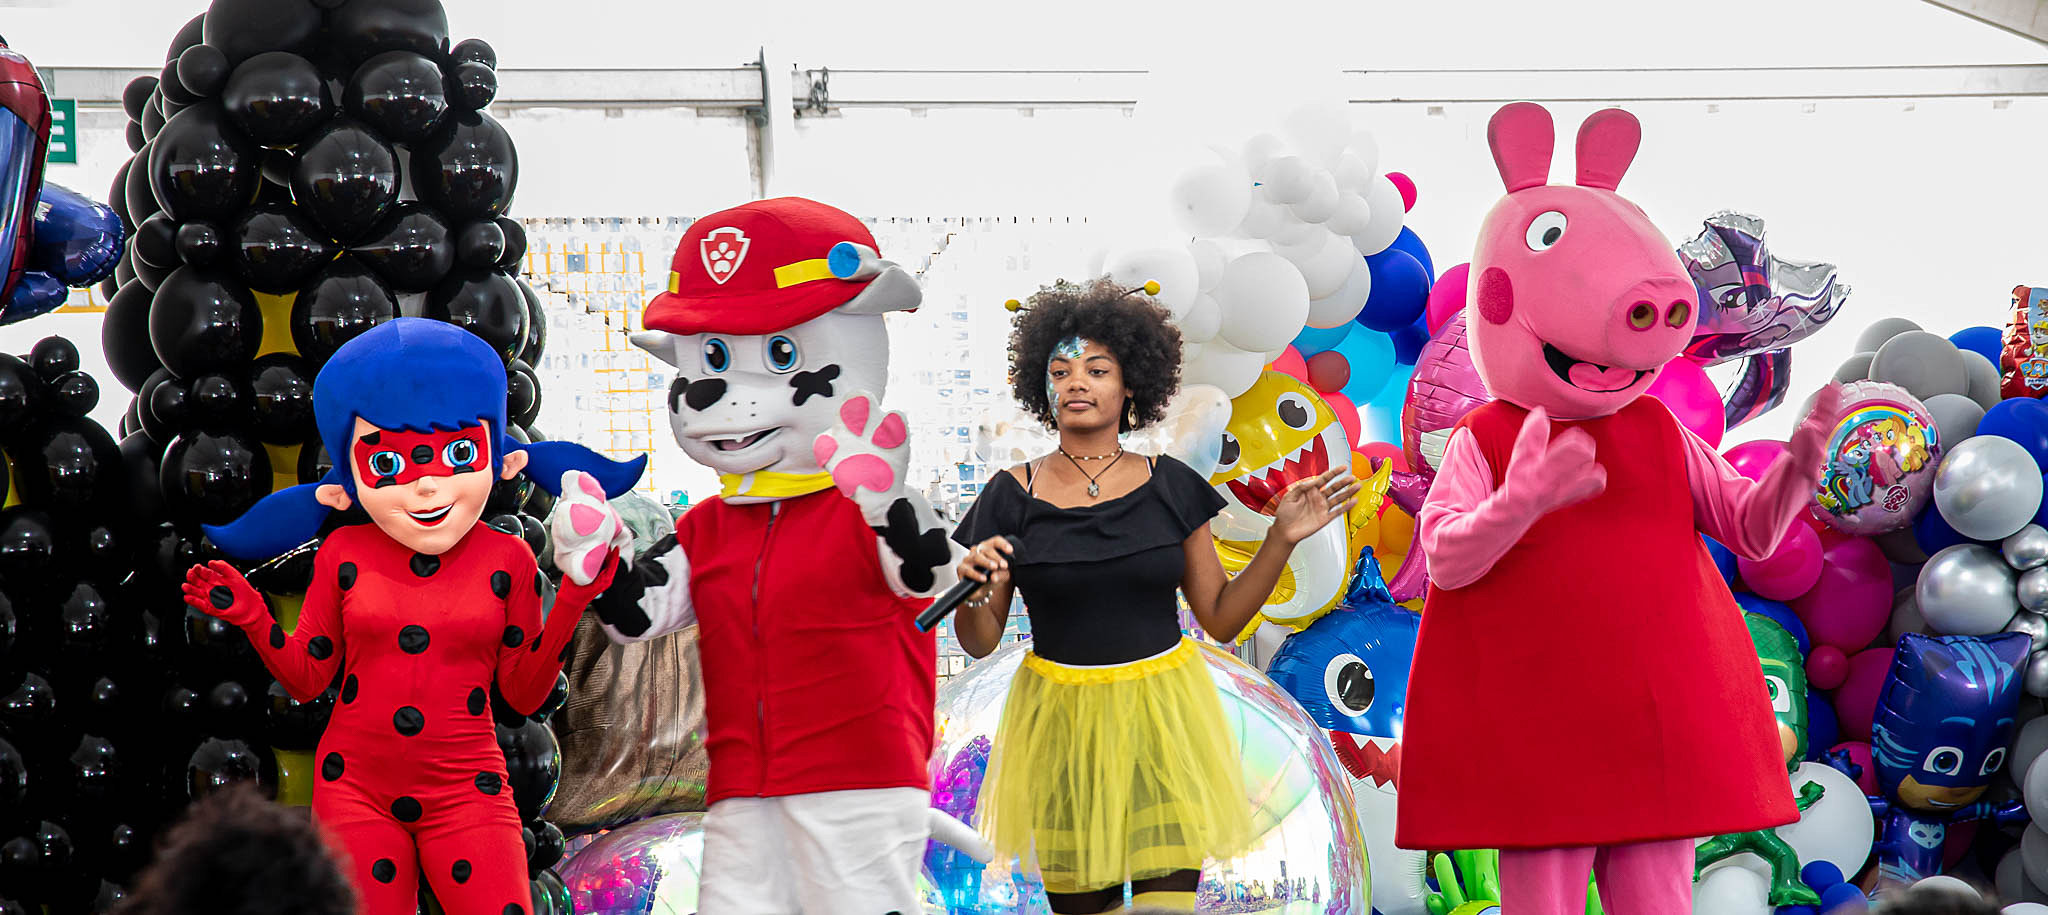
(1607, 145)
(661, 344)
(1522, 138)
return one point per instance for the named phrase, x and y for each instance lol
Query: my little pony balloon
(1752, 302)
(1881, 461)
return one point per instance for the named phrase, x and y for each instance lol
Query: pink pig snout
(1651, 321)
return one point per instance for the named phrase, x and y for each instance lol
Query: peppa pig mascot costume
(1583, 694)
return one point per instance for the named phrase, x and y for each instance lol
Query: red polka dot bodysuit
(410, 781)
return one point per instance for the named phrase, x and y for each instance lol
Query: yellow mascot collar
(766, 484)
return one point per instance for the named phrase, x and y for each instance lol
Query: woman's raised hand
(1309, 504)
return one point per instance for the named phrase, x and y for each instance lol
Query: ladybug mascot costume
(804, 576)
(1562, 535)
(415, 614)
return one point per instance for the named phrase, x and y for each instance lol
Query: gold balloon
(277, 323)
(294, 777)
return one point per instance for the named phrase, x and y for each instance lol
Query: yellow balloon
(277, 323)
(13, 484)
(294, 777)
(284, 466)
(285, 608)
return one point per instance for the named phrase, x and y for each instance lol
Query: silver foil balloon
(2034, 625)
(2036, 682)
(1310, 854)
(2033, 590)
(1988, 487)
(1751, 301)
(1966, 590)
(2027, 549)
(648, 865)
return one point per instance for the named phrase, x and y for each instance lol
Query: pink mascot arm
(1465, 527)
(1751, 517)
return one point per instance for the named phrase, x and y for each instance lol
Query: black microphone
(951, 600)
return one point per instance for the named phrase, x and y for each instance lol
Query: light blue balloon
(1313, 340)
(1371, 355)
(1380, 418)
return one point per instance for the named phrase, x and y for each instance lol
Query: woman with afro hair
(1113, 764)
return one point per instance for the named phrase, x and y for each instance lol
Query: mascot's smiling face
(743, 403)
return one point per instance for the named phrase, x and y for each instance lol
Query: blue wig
(419, 375)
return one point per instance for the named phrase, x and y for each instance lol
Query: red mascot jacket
(1594, 687)
(815, 678)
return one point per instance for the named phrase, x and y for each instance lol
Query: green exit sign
(64, 131)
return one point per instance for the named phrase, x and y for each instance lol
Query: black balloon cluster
(304, 170)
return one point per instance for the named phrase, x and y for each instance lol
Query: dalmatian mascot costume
(804, 575)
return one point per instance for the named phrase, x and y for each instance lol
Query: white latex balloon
(1320, 131)
(1297, 240)
(1837, 829)
(1263, 217)
(1322, 201)
(2024, 908)
(1388, 212)
(1210, 199)
(1353, 173)
(1352, 216)
(1339, 308)
(1366, 148)
(1259, 149)
(1264, 301)
(1286, 179)
(1172, 268)
(1225, 367)
(1189, 352)
(1209, 260)
(1943, 883)
(1201, 322)
(1731, 891)
(1327, 271)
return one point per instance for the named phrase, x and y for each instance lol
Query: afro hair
(239, 854)
(1125, 320)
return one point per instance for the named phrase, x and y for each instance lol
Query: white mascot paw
(867, 459)
(584, 528)
(959, 836)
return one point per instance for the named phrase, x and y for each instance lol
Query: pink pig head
(1580, 299)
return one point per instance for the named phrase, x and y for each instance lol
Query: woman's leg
(1550, 881)
(1089, 902)
(1174, 892)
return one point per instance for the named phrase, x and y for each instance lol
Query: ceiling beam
(2025, 18)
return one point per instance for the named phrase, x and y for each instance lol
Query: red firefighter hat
(764, 266)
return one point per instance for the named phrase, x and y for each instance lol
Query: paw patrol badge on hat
(765, 266)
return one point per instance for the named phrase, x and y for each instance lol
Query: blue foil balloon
(77, 240)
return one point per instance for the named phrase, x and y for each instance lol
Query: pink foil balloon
(1850, 604)
(1859, 754)
(1789, 571)
(1443, 389)
(1856, 698)
(1684, 387)
(1751, 459)
(1447, 297)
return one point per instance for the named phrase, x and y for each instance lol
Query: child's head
(412, 412)
(238, 854)
(1934, 901)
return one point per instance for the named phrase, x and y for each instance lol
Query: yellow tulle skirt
(1110, 774)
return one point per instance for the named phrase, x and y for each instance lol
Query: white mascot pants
(853, 852)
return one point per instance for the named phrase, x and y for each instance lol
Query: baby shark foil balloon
(1280, 431)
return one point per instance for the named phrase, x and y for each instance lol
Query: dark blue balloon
(1820, 876)
(77, 240)
(1796, 910)
(1933, 533)
(1778, 613)
(2022, 419)
(36, 293)
(1823, 728)
(1412, 243)
(1984, 341)
(1400, 291)
(1408, 341)
(1724, 558)
(1842, 898)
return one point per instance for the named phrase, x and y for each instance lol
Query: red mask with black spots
(397, 457)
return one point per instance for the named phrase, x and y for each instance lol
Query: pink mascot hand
(1811, 438)
(1545, 475)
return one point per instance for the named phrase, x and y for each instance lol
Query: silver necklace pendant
(1093, 489)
